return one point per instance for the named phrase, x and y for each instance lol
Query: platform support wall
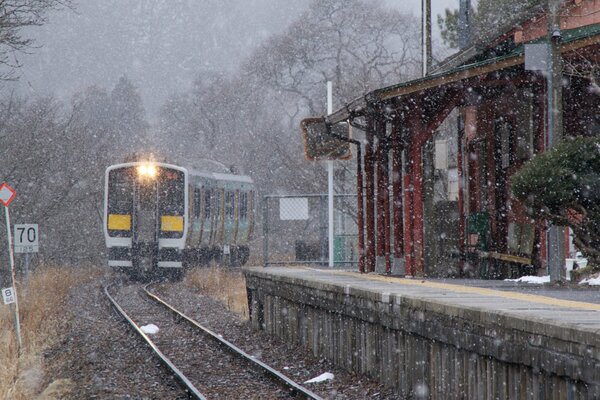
(416, 346)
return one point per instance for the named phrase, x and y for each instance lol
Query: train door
(145, 240)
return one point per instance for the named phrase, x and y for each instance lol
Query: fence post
(323, 230)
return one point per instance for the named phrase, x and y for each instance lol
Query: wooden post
(381, 193)
(370, 196)
(385, 161)
(417, 194)
(461, 186)
(360, 209)
(408, 214)
(397, 193)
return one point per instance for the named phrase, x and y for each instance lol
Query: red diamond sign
(7, 194)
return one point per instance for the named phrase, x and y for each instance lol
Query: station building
(439, 151)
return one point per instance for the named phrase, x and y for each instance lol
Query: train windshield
(146, 198)
(171, 192)
(120, 202)
(120, 192)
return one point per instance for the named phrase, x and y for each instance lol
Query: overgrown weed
(226, 285)
(42, 300)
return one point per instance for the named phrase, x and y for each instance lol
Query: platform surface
(572, 307)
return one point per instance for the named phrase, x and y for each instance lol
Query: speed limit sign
(8, 294)
(26, 238)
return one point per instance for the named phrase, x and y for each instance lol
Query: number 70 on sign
(26, 238)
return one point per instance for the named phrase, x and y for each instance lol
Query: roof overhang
(572, 40)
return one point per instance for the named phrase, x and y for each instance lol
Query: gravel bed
(214, 371)
(98, 357)
(99, 360)
(295, 362)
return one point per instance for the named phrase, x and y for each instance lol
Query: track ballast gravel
(99, 355)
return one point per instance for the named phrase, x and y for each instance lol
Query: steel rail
(180, 377)
(274, 374)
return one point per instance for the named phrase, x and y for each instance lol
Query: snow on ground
(531, 279)
(327, 376)
(150, 329)
(591, 281)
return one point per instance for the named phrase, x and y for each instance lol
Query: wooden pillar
(397, 192)
(381, 193)
(360, 221)
(385, 161)
(408, 214)
(461, 186)
(370, 197)
(417, 200)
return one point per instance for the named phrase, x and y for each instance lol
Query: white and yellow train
(160, 218)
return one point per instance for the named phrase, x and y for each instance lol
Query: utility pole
(330, 183)
(464, 24)
(426, 36)
(554, 128)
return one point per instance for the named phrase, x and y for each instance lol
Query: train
(161, 218)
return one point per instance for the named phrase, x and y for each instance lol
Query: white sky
(161, 45)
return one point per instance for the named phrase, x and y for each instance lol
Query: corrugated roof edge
(483, 43)
(358, 105)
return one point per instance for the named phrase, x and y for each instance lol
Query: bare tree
(252, 119)
(14, 16)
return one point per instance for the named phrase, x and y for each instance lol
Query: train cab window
(197, 203)
(229, 204)
(207, 203)
(120, 192)
(171, 192)
(243, 205)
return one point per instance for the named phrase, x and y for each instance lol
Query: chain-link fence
(295, 229)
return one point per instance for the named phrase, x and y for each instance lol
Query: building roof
(571, 40)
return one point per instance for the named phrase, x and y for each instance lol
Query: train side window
(207, 203)
(229, 204)
(197, 203)
(243, 205)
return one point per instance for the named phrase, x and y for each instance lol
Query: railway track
(205, 365)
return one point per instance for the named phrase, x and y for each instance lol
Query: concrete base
(380, 265)
(430, 341)
(398, 268)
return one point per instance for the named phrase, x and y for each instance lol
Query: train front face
(145, 215)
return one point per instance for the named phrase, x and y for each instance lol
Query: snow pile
(531, 279)
(591, 281)
(150, 329)
(327, 376)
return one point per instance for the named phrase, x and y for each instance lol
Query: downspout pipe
(359, 196)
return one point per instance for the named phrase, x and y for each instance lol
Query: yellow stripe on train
(119, 222)
(171, 223)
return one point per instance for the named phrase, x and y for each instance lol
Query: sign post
(26, 238)
(7, 195)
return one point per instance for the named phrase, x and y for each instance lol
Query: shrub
(562, 186)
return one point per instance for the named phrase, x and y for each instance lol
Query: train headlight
(147, 171)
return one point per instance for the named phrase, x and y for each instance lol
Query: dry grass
(228, 286)
(41, 304)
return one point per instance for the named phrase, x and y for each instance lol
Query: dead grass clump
(41, 307)
(227, 286)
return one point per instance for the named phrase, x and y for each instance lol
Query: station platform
(456, 341)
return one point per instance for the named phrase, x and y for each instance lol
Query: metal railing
(295, 229)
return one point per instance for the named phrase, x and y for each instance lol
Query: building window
(197, 196)
(229, 204)
(207, 201)
(243, 205)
